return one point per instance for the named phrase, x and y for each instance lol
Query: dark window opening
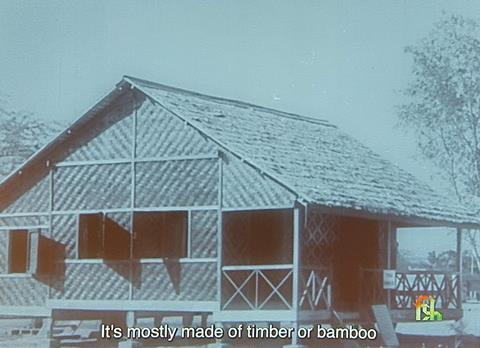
(90, 236)
(18, 250)
(262, 237)
(160, 234)
(100, 237)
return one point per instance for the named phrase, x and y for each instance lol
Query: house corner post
(459, 267)
(296, 274)
(216, 314)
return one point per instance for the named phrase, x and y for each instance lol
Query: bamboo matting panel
(23, 220)
(93, 281)
(92, 187)
(160, 133)
(22, 291)
(3, 251)
(64, 230)
(318, 238)
(123, 219)
(36, 199)
(113, 141)
(175, 281)
(244, 186)
(204, 233)
(177, 183)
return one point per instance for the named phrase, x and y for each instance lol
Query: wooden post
(296, 270)
(50, 213)
(389, 259)
(219, 231)
(132, 197)
(459, 267)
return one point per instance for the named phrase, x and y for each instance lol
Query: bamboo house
(160, 200)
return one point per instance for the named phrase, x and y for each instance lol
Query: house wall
(151, 160)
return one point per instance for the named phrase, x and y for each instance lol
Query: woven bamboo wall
(318, 238)
(114, 140)
(3, 252)
(22, 291)
(177, 183)
(64, 228)
(92, 187)
(34, 200)
(24, 220)
(159, 133)
(93, 281)
(175, 281)
(204, 234)
(173, 183)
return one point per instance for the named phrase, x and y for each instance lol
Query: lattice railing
(443, 286)
(257, 287)
(315, 290)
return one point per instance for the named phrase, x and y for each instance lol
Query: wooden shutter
(34, 252)
(116, 241)
(18, 251)
(46, 257)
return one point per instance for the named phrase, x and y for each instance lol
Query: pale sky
(339, 60)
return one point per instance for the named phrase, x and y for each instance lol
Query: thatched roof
(314, 159)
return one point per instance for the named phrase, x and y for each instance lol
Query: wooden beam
(189, 233)
(265, 207)
(11, 215)
(410, 221)
(142, 261)
(136, 209)
(24, 311)
(132, 197)
(136, 160)
(136, 305)
(257, 267)
(459, 266)
(219, 232)
(389, 260)
(296, 258)
(24, 227)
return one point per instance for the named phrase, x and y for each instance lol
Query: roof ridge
(229, 101)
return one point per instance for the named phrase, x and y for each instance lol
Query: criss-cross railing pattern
(443, 286)
(315, 288)
(257, 287)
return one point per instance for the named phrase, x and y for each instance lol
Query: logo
(425, 309)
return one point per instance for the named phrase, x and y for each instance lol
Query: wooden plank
(33, 214)
(265, 207)
(189, 234)
(219, 232)
(178, 158)
(91, 163)
(141, 261)
(459, 267)
(136, 209)
(385, 325)
(296, 261)
(136, 305)
(132, 198)
(23, 227)
(257, 267)
(389, 259)
(136, 160)
(25, 311)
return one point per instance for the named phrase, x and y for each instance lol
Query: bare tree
(443, 107)
(21, 134)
